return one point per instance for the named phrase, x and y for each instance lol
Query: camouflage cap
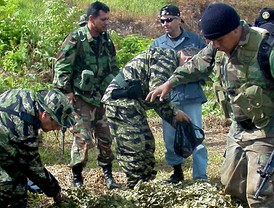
(83, 20)
(265, 15)
(56, 104)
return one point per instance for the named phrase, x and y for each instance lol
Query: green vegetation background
(31, 33)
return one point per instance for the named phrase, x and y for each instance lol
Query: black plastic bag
(187, 137)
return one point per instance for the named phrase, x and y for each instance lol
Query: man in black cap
(265, 19)
(247, 93)
(177, 38)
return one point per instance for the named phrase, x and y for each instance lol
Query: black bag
(187, 137)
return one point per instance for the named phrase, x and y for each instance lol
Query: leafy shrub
(129, 46)
(30, 38)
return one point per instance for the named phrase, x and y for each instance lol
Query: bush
(29, 39)
(129, 46)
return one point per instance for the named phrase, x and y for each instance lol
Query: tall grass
(132, 9)
(144, 8)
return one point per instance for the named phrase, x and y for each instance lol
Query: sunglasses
(170, 19)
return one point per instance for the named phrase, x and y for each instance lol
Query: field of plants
(30, 37)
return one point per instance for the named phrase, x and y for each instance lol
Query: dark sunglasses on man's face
(170, 19)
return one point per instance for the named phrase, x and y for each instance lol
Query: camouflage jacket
(19, 143)
(85, 65)
(152, 67)
(236, 69)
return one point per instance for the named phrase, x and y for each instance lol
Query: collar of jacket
(245, 34)
(86, 32)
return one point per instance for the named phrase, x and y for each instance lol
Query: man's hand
(183, 58)
(60, 197)
(182, 116)
(162, 90)
(70, 97)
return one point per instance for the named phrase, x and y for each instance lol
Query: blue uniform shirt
(192, 92)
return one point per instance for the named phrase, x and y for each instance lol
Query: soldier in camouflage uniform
(126, 111)
(85, 66)
(22, 114)
(248, 94)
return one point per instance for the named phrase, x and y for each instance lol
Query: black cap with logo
(266, 15)
(170, 10)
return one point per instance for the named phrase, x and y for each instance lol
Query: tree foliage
(29, 40)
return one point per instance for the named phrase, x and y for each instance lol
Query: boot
(109, 180)
(77, 179)
(177, 176)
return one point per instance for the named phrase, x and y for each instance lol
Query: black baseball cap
(170, 10)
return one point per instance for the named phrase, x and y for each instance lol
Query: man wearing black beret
(247, 94)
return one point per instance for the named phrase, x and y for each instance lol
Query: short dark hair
(95, 7)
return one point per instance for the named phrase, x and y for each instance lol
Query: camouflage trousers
(91, 129)
(135, 144)
(13, 188)
(246, 151)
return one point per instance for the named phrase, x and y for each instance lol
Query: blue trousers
(199, 156)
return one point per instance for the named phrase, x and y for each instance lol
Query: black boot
(77, 179)
(109, 180)
(177, 176)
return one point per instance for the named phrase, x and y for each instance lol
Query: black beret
(218, 20)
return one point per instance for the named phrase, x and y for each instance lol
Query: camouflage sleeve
(113, 67)
(29, 157)
(162, 64)
(63, 67)
(42, 177)
(198, 68)
(166, 110)
(113, 63)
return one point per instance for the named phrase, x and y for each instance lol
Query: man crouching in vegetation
(22, 114)
(126, 110)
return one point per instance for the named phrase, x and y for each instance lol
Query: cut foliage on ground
(156, 193)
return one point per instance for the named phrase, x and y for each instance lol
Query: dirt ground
(215, 129)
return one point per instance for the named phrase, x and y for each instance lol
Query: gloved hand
(118, 93)
(60, 197)
(135, 90)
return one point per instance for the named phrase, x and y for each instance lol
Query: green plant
(30, 38)
(135, 8)
(128, 47)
